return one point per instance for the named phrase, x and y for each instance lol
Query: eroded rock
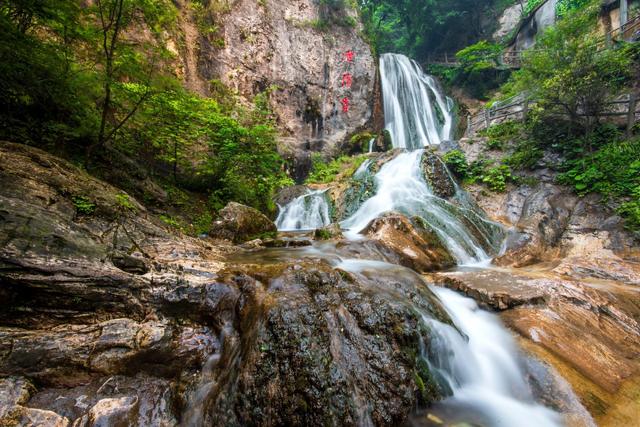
(239, 223)
(417, 246)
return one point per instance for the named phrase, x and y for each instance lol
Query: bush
(496, 178)
(500, 135)
(324, 173)
(456, 161)
(83, 205)
(614, 172)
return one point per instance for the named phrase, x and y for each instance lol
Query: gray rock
(239, 223)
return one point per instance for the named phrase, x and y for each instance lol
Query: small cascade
(362, 170)
(479, 365)
(371, 142)
(418, 115)
(307, 212)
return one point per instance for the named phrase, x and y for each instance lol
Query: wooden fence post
(631, 114)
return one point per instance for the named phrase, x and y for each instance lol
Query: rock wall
(287, 46)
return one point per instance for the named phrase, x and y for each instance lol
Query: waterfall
(478, 362)
(412, 101)
(307, 212)
(416, 112)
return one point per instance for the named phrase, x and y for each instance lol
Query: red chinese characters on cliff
(347, 79)
(349, 55)
(345, 105)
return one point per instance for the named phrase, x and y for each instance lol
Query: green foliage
(480, 56)
(569, 75)
(83, 205)
(614, 172)
(359, 143)
(496, 178)
(531, 5)
(324, 173)
(503, 134)
(565, 7)
(419, 28)
(171, 221)
(630, 210)
(124, 203)
(64, 89)
(456, 161)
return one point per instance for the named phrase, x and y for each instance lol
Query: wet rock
(329, 232)
(120, 412)
(108, 399)
(418, 247)
(322, 346)
(289, 194)
(437, 175)
(15, 392)
(30, 417)
(253, 244)
(593, 328)
(239, 223)
(494, 289)
(130, 264)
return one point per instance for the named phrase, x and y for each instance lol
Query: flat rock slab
(497, 289)
(591, 325)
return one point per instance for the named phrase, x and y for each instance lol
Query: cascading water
(481, 368)
(418, 115)
(416, 112)
(307, 212)
(474, 361)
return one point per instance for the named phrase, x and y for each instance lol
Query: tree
(570, 74)
(122, 62)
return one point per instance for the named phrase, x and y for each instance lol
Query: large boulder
(417, 246)
(239, 223)
(437, 175)
(320, 346)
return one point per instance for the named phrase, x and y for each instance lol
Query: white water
(307, 212)
(411, 99)
(483, 371)
(477, 363)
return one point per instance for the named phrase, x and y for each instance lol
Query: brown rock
(240, 223)
(418, 248)
(594, 328)
(121, 412)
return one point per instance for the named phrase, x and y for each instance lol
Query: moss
(322, 234)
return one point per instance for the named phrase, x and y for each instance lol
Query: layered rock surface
(110, 319)
(297, 48)
(588, 330)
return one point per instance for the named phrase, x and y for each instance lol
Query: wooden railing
(508, 59)
(517, 108)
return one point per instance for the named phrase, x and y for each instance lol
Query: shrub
(496, 178)
(456, 161)
(83, 205)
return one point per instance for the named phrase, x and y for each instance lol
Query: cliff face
(289, 47)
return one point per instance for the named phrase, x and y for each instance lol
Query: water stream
(477, 362)
(307, 212)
